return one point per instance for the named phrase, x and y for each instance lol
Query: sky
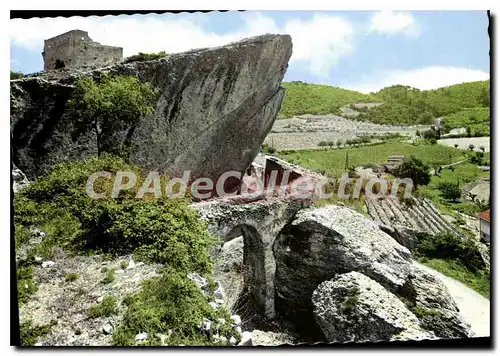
(358, 50)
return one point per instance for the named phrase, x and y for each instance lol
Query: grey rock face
(269, 338)
(230, 257)
(19, 180)
(355, 308)
(215, 108)
(405, 236)
(441, 314)
(323, 242)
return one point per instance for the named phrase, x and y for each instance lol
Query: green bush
(162, 231)
(71, 277)
(165, 231)
(415, 169)
(110, 277)
(449, 190)
(26, 285)
(430, 134)
(145, 57)
(16, 75)
(449, 247)
(30, 333)
(170, 302)
(477, 158)
(107, 307)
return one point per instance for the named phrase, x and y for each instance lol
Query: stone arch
(259, 223)
(253, 272)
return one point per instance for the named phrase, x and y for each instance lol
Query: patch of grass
(26, 285)
(107, 307)
(123, 264)
(350, 300)
(478, 281)
(110, 277)
(22, 235)
(70, 277)
(30, 333)
(170, 302)
(455, 257)
(421, 312)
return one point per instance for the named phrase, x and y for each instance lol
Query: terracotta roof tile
(485, 215)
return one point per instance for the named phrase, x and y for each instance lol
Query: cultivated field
(307, 131)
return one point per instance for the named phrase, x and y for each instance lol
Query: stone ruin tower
(76, 49)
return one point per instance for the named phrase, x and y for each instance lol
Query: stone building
(76, 49)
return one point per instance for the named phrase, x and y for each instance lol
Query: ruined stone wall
(76, 49)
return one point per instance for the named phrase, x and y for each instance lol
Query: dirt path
(474, 308)
(432, 172)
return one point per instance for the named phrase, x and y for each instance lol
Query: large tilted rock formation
(215, 109)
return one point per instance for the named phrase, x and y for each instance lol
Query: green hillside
(461, 104)
(302, 98)
(478, 119)
(407, 105)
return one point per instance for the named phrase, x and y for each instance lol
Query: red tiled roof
(485, 215)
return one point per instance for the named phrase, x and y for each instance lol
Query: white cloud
(422, 78)
(393, 22)
(318, 42)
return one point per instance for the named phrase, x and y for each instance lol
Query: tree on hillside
(414, 169)
(484, 97)
(449, 190)
(108, 106)
(471, 147)
(455, 145)
(482, 148)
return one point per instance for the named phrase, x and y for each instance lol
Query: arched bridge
(259, 223)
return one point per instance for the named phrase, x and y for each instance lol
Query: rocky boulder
(324, 242)
(355, 308)
(214, 110)
(403, 235)
(19, 180)
(431, 301)
(229, 270)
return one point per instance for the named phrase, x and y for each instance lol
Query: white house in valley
(484, 225)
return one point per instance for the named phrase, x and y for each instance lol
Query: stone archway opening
(241, 271)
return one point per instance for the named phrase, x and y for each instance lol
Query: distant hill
(461, 104)
(303, 98)
(407, 105)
